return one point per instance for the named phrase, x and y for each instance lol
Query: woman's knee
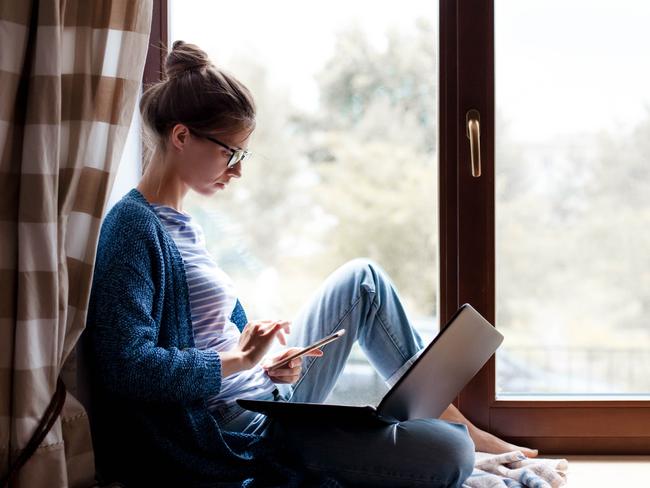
(460, 454)
(364, 270)
(361, 264)
(448, 448)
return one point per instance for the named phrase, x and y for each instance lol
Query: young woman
(172, 348)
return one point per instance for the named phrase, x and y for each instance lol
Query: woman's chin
(208, 191)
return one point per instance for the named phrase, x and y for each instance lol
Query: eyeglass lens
(236, 158)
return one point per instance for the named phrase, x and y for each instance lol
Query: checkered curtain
(70, 73)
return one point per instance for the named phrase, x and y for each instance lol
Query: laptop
(425, 390)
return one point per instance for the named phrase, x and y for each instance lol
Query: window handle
(473, 119)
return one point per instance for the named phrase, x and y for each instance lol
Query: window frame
(158, 40)
(467, 244)
(467, 259)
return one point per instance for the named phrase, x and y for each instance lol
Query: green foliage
(383, 198)
(361, 83)
(572, 239)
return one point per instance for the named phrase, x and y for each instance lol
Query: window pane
(344, 162)
(130, 168)
(572, 199)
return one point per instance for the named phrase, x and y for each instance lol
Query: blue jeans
(360, 298)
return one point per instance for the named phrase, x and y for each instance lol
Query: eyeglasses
(237, 156)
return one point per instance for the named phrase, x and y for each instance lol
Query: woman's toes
(486, 442)
(528, 452)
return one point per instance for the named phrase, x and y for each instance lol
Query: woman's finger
(292, 367)
(271, 328)
(286, 353)
(282, 339)
(286, 326)
(316, 353)
(286, 371)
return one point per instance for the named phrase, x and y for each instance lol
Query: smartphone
(305, 350)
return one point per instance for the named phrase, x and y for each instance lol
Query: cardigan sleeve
(124, 337)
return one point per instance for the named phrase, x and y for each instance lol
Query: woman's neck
(161, 185)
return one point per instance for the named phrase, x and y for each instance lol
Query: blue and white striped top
(212, 300)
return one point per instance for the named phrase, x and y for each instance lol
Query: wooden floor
(607, 471)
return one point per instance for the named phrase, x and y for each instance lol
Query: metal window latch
(473, 120)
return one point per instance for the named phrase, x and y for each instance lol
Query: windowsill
(585, 397)
(589, 471)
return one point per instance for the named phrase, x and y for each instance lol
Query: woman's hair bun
(185, 58)
(197, 94)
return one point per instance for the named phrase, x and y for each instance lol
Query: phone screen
(305, 350)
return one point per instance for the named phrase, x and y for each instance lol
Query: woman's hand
(254, 342)
(257, 337)
(289, 373)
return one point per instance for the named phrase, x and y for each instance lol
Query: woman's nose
(235, 171)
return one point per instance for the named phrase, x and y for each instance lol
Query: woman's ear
(179, 135)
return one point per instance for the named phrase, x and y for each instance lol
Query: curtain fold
(70, 73)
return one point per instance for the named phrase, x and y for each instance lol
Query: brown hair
(196, 93)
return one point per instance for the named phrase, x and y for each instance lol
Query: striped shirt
(212, 300)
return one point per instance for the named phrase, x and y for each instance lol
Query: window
(130, 168)
(345, 153)
(572, 203)
(492, 248)
(473, 228)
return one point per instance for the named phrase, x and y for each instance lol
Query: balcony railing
(527, 370)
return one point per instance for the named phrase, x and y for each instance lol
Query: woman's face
(202, 164)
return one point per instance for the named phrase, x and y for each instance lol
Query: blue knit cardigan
(149, 383)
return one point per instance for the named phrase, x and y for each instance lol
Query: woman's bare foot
(486, 442)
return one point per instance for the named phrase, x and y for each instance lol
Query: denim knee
(364, 271)
(360, 265)
(460, 455)
(447, 451)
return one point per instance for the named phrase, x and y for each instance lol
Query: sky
(566, 66)
(562, 66)
(294, 37)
